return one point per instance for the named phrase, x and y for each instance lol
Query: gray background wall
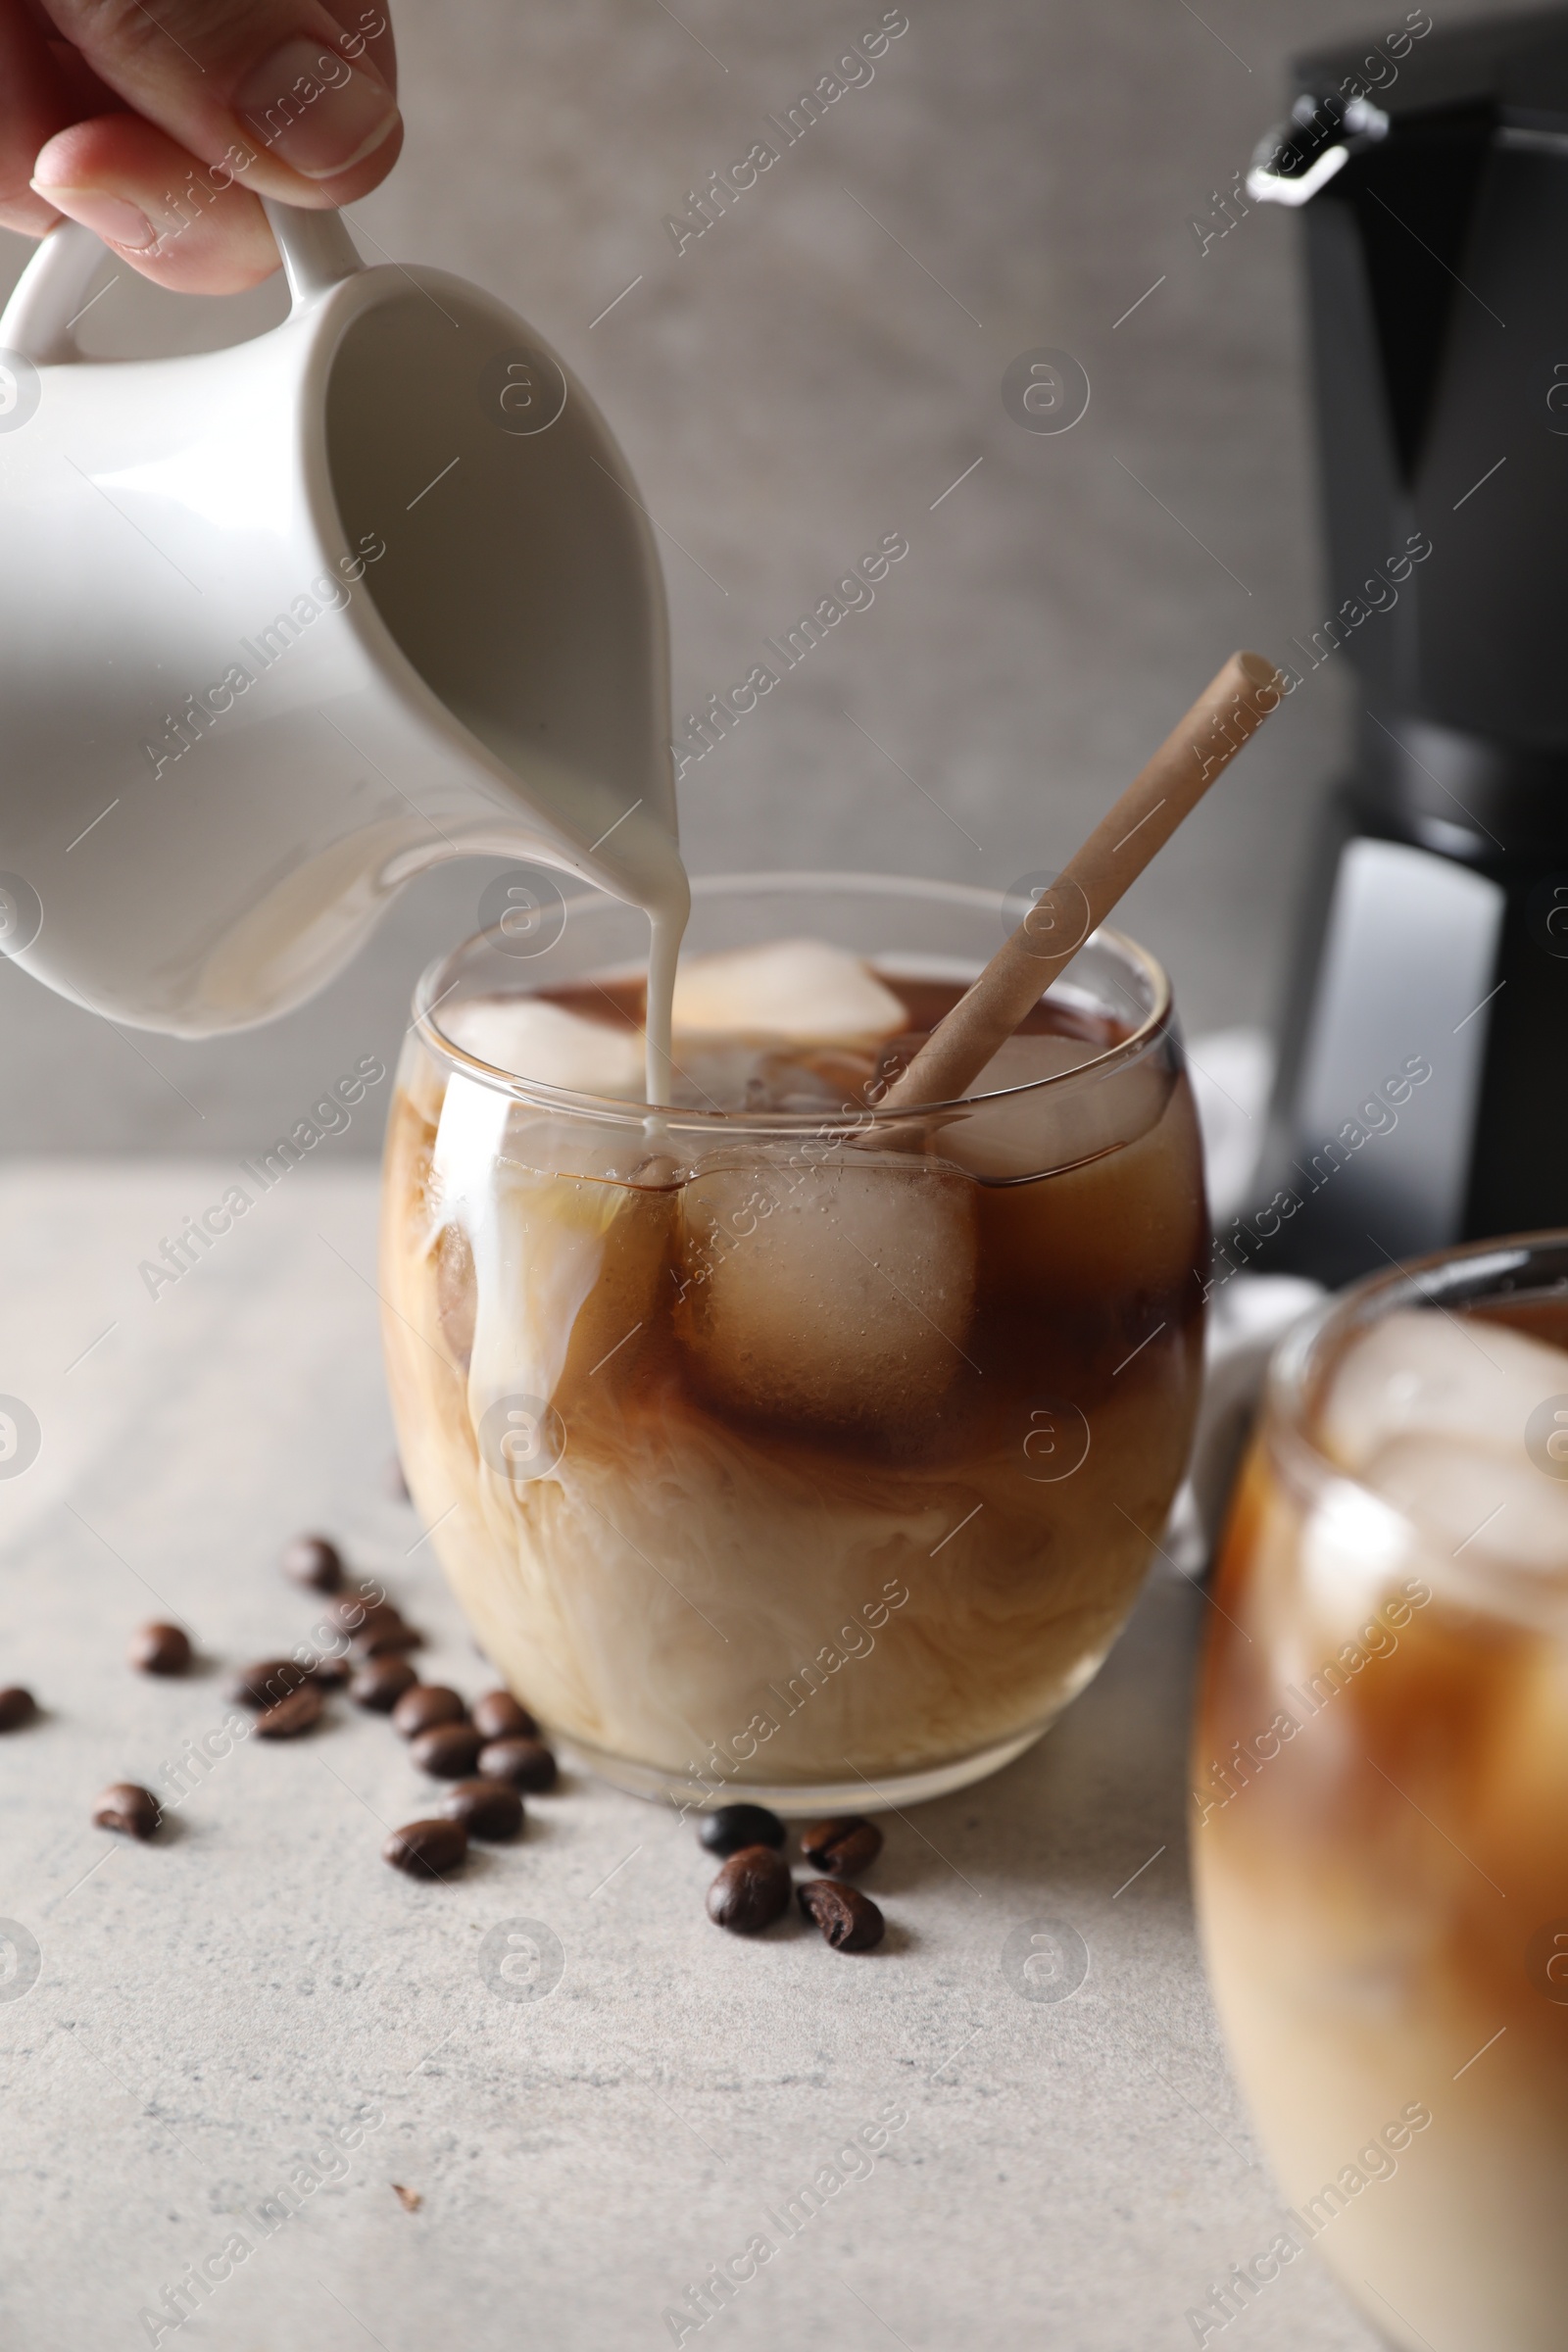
(814, 371)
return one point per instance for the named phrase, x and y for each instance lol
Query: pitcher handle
(317, 249)
(49, 297)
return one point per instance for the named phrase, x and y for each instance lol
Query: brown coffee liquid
(824, 1075)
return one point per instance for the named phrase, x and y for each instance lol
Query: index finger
(281, 94)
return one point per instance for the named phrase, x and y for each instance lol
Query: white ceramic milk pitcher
(284, 624)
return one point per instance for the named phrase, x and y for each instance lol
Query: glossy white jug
(282, 625)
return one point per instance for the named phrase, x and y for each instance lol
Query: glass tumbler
(814, 1455)
(1381, 1800)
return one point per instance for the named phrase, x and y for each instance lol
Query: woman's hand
(160, 125)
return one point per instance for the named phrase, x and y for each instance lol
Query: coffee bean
(734, 1826)
(311, 1561)
(751, 1891)
(486, 1808)
(500, 1717)
(424, 1704)
(159, 1650)
(17, 1707)
(266, 1681)
(330, 1673)
(389, 1641)
(427, 1849)
(525, 1763)
(380, 1682)
(124, 1806)
(386, 1633)
(849, 1920)
(362, 1619)
(843, 1847)
(292, 1715)
(448, 1750)
(365, 1620)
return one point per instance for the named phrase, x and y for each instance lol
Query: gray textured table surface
(209, 2008)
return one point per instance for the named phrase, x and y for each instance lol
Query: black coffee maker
(1423, 1087)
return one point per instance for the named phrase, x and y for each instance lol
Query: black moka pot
(1423, 1087)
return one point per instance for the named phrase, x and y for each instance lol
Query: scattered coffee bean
(849, 1920)
(292, 1715)
(17, 1707)
(123, 1806)
(427, 1849)
(389, 1641)
(358, 1615)
(843, 1847)
(424, 1704)
(380, 1682)
(330, 1673)
(526, 1763)
(266, 1681)
(360, 1619)
(501, 1717)
(386, 1633)
(159, 1650)
(490, 1809)
(448, 1750)
(734, 1826)
(751, 1891)
(311, 1561)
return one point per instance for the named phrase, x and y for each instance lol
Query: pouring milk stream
(290, 622)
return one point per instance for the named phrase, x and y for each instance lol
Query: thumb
(284, 96)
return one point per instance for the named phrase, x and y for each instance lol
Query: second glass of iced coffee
(778, 1444)
(1379, 1835)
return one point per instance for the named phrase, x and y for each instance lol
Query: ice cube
(535, 1229)
(534, 1038)
(538, 1245)
(621, 1310)
(1353, 1550)
(791, 988)
(825, 1078)
(1473, 1503)
(455, 1297)
(567, 1274)
(714, 1073)
(1054, 1126)
(1419, 1372)
(829, 1293)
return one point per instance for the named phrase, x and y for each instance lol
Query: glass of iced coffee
(777, 1444)
(1381, 1800)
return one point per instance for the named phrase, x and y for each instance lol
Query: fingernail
(108, 216)
(312, 110)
